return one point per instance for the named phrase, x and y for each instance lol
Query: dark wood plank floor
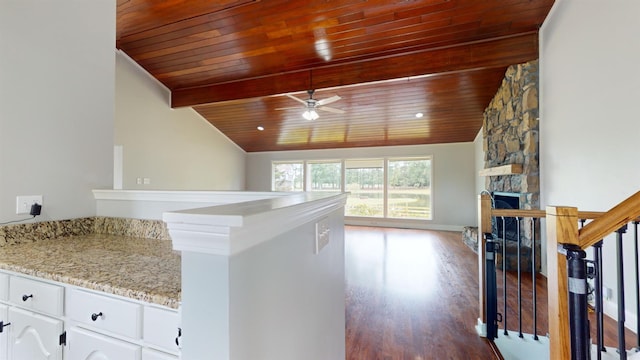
(413, 295)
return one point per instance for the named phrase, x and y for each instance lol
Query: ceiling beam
(491, 53)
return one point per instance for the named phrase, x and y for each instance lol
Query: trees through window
(397, 188)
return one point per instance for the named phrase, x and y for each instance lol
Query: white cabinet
(98, 326)
(88, 345)
(4, 287)
(162, 329)
(34, 336)
(105, 313)
(36, 295)
(4, 335)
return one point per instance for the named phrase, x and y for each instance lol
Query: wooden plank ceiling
(233, 61)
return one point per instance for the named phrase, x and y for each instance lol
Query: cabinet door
(87, 345)
(34, 336)
(4, 335)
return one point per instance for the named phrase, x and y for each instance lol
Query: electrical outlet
(323, 232)
(24, 202)
(607, 293)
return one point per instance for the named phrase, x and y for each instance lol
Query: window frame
(306, 178)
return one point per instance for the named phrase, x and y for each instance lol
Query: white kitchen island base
(263, 279)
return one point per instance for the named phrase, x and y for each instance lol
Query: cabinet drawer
(36, 295)
(161, 328)
(104, 312)
(84, 344)
(4, 286)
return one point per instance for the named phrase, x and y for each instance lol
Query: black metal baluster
(533, 279)
(635, 253)
(578, 318)
(491, 289)
(519, 279)
(598, 297)
(621, 341)
(504, 275)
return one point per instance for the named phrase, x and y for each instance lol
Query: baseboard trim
(401, 224)
(611, 310)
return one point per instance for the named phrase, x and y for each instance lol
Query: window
(409, 189)
(364, 179)
(394, 188)
(324, 176)
(287, 176)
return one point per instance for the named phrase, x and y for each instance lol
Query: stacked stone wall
(510, 136)
(510, 133)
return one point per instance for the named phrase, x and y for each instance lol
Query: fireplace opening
(506, 228)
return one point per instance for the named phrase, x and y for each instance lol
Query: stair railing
(563, 233)
(566, 243)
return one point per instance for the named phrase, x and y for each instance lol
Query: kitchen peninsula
(262, 273)
(239, 276)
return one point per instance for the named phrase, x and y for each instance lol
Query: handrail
(587, 215)
(612, 220)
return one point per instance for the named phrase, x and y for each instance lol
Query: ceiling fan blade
(328, 100)
(290, 108)
(330, 109)
(296, 99)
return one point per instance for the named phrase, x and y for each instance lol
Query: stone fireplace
(510, 137)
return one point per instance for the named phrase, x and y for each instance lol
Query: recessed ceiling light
(260, 128)
(419, 115)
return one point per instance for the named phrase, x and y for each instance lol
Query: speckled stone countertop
(138, 268)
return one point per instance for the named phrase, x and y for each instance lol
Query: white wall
(454, 198)
(56, 104)
(589, 132)
(174, 148)
(478, 149)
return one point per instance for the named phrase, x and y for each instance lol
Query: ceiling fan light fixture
(310, 115)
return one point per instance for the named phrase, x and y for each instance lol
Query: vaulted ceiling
(234, 62)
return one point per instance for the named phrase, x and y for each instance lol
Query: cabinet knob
(2, 325)
(26, 297)
(95, 316)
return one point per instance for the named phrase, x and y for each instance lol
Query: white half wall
(454, 197)
(589, 133)
(56, 104)
(174, 149)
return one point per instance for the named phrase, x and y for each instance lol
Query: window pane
(409, 191)
(326, 176)
(287, 176)
(365, 180)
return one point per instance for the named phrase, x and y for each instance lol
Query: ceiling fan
(311, 105)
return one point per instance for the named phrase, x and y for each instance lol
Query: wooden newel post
(562, 228)
(484, 226)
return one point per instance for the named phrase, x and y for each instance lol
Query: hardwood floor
(413, 295)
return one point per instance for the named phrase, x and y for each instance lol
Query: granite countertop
(138, 268)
